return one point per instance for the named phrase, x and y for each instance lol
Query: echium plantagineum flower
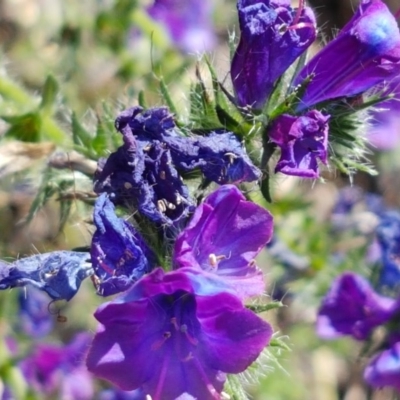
(178, 333)
(58, 371)
(366, 53)
(352, 307)
(224, 236)
(119, 254)
(273, 35)
(145, 170)
(384, 369)
(58, 273)
(303, 141)
(174, 338)
(188, 22)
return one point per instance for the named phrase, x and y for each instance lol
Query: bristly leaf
(25, 127)
(167, 97)
(259, 308)
(49, 95)
(234, 388)
(81, 136)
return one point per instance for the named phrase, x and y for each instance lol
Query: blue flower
(119, 254)
(273, 35)
(59, 273)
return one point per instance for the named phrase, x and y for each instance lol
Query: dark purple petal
(59, 273)
(384, 369)
(188, 22)
(224, 236)
(273, 35)
(54, 369)
(303, 140)
(164, 337)
(119, 254)
(352, 307)
(364, 54)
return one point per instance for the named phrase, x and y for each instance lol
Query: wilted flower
(145, 170)
(188, 22)
(352, 307)
(302, 140)
(224, 236)
(59, 370)
(364, 54)
(171, 337)
(59, 273)
(119, 254)
(273, 35)
(384, 369)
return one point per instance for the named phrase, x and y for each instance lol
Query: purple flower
(34, 317)
(59, 371)
(119, 254)
(145, 169)
(188, 22)
(169, 338)
(364, 54)
(388, 236)
(59, 273)
(223, 237)
(384, 369)
(273, 35)
(384, 132)
(352, 307)
(115, 394)
(302, 140)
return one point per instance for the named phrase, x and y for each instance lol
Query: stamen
(156, 345)
(190, 338)
(298, 13)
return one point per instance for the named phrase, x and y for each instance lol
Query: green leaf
(259, 308)
(25, 127)
(49, 94)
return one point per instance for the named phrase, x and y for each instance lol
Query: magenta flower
(384, 369)
(352, 307)
(59, 371)
(364, 54)
(303, 140)
(188, 22)
(119, 254)
(173, 338)
(224, 236)
(273, 35)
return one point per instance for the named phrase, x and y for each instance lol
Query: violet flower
(59, 273)
(384, 131)
(54, 370)
(188, 22)
(364, 54)
(384, 369)
(223, 237)
(352, 307)
(119, 254)
(145, 169)
(303, 140)
(273, 35)
(172, 338)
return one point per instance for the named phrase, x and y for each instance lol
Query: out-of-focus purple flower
(352, 307)
(116, 394)
(168, 338)
(224, 236)
(188, 22)
(388, 236)
(145, 169)
(384, 369)
(384, 132)
(302, 140)
(119, 254)
(59, 273)
(34, 317)
(364, 54)
(273, 35)
(54, 370)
